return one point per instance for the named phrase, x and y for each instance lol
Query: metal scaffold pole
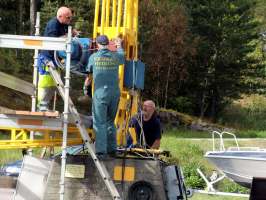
(35, 75)
(65, 116)
(35, 65)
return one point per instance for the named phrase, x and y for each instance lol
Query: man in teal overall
(104, 65)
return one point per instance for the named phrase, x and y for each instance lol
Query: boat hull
(240, 166)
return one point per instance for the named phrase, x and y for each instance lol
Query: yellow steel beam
(114, 13)
(96, 18)
(124, 23)
(20, 138)
(103, 16)
(135, 27)
(119, 16)
(107, 19)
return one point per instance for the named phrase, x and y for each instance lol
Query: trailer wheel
(141, 190)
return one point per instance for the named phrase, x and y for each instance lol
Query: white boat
(238, 164)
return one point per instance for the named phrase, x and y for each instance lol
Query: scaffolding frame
(61, 44)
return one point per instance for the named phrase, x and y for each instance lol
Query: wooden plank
(16, 84)
(41, 114)
(8, 182)
(28, 113)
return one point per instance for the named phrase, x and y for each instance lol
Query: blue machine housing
(134, 74)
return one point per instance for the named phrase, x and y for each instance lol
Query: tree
(166, 45)
(226, 30)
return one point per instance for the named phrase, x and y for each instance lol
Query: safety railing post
(65, 114)
(35, 76)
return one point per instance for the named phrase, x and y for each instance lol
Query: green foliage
(182, 150)
(7, 62)
(246, 113)
(225, 30)
(182, 104)
(229, 186)
(193, 179)
(82, 18)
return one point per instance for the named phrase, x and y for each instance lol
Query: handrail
(213, 140)
(234, 136)
(222, 147)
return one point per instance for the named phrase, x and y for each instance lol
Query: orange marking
(33, 42)
(30, 122)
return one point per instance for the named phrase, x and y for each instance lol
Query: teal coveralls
(104, 65)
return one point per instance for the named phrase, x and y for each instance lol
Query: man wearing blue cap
(104, 66)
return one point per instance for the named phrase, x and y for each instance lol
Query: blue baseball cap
(102, 39)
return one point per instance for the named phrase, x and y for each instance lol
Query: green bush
(246, 113)
(192, 178)
(182, 104)
(228, 186)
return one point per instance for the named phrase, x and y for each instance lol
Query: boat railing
(221, 140)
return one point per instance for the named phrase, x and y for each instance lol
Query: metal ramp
(32, 180)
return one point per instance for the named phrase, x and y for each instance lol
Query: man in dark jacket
(56, 27)
(147, 126)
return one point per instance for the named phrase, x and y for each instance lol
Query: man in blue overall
(56, 27)
(104, 65)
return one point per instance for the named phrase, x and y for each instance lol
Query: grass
(185, 133)
(7, 156)
(247, 113)
(213, 197)
(11, 155)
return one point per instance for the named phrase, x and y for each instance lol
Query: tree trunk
(203, 104)
(20, 24)
(32, 16)
(214, 105)
(166, 86)
(158, 91)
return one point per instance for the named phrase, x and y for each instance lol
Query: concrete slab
(6, 193)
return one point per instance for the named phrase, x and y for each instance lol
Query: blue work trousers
(104, 108)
